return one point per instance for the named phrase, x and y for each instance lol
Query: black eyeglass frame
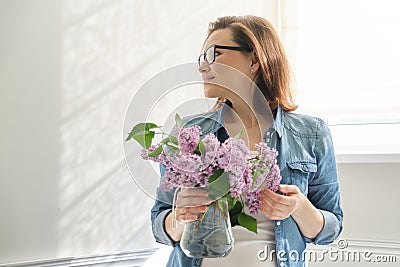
(235, 48)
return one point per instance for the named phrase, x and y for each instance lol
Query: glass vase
(211, 235)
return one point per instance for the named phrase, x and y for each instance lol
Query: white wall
(370, 198)
(68, 70)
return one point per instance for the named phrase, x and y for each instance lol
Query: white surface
(159, 258)
(68, 70)
(345, 57)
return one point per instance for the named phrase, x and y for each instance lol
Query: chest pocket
(300, 173)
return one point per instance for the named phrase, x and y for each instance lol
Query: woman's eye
(217, 53)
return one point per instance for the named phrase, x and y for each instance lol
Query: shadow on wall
(30, 100)
(70, 68)
(101, 208)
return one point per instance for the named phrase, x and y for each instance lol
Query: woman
(307, 206)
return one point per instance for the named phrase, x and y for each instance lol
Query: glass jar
(211, 235)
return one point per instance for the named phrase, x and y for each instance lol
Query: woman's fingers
(192, 197)
(192, 210)
(273, 214)
(271, 205)
(275, 198)
(196, 192)
(190, 203)
(188, 214)
(278, 207)
(186, 218)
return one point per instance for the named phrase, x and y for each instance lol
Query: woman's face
(218, 77)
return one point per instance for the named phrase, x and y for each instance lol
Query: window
(345, 57)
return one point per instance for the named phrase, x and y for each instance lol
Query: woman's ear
(254, 65)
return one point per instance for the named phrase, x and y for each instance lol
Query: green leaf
(215, 175)
(248, 222)
(257, 173)
(234, 213)
(140, 129)
(239, 135)
(234, 220)
(222, 206)
(145, 139)
(202, 148)
(178, 121)
(237, 208)
(231, 201)
(170, 139)
(156, 152)
(171, 142)
(173, 148)
(218, 184)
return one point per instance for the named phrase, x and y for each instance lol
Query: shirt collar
(218, 118)
(278, 121)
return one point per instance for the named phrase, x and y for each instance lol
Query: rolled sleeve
(159, 212)
(159, 232)
(330, 231)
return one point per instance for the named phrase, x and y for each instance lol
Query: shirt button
(278, 223)
(268, 133)
(282, 264)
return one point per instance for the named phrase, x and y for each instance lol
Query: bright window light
(345, 56)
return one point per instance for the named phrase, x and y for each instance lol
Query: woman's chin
(207, 92)
(211, 92)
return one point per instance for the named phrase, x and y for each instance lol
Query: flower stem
(201, 219)
(241, 199)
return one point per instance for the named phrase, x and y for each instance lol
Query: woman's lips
(208, 78)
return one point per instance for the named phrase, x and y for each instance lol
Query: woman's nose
(204, 67)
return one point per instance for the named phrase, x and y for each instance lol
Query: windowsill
(367, 158)
(366, 143)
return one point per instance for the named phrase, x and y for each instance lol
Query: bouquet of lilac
(224, 170)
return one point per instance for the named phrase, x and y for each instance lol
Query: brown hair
(273, 76)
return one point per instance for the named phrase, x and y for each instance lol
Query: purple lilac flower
(273, 178)
(247, 176)
(170, 180)
(233, 160)
(204, 176)
(188, 138)
(266, 154)
(145, 152)
(212, 146)
(269, 178)
(187, 163)
(185, 168)
(253, 201)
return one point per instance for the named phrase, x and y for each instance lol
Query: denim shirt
(306, 159)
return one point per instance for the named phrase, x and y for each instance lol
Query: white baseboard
(356, 253)
(138, 257)
(122, 259)
(386, 247)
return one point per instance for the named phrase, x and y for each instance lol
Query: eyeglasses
(209, 55)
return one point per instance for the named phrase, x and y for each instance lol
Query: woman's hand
(279, 207)
(189, 203)
(293, 203)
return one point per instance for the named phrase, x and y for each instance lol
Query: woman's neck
(250, 117)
